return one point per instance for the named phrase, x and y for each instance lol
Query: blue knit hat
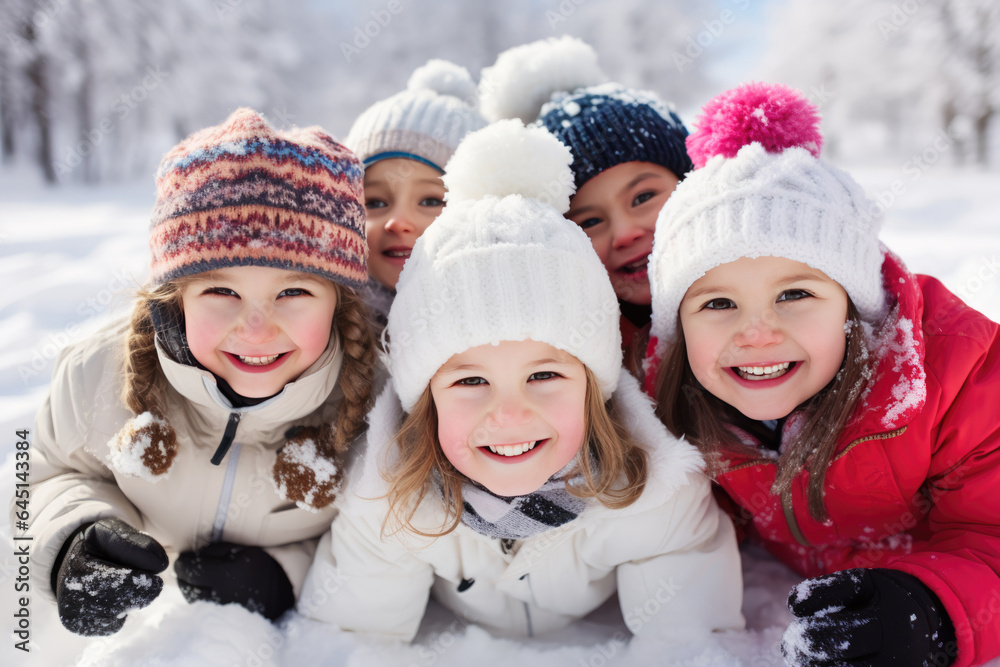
(608, 124)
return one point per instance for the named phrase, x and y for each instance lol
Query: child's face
(618, 210)
(741, 318)
(256, 327)
(511, 397)
(402, 197)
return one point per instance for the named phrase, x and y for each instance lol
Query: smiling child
(513, 468)
(847, 405)
(209, 428)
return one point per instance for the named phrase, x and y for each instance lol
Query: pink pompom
(771, 114)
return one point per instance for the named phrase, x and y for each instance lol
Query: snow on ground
(68, 257)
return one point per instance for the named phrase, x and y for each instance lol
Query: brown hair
(611, 453)
(144, 382)
(688, 410)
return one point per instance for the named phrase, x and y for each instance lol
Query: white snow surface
(68, 257)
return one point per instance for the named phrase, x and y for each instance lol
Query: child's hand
(109, 569)
(224, 572)
(870, 617)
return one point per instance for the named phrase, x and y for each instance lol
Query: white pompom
(507, 158)
(525, 77)
(444, 78)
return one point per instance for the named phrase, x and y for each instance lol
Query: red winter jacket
(915, 482)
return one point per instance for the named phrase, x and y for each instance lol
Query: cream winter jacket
(671, 555)
(75, 480)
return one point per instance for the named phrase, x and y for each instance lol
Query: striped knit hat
(242, 194)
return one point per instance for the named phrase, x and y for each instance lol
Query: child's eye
(541, 376)
(375, 203)
(431, 201)
(472, 382)
(294, 291)
(221, 291)
(793, 295)
(589, 222)
(719, 304)
(642, 198)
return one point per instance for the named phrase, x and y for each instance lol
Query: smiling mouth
(398, 253)
(259, 361)
(513, 450)
(756, 373)
(635, 266)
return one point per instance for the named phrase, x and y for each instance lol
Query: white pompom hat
(425, 122)
(760, 189)
(525, 77)
(501, 263)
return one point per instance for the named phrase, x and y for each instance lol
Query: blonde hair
(690, 411)
(609, 453)
(144, 383)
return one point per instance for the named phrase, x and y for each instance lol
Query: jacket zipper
(227, 438)
(227, 493)
(786, 505)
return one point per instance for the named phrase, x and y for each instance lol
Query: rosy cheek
(314, 339)
(455, 447)
(203, 335)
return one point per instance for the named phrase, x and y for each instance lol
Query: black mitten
(105, 570)
(223, 573)
(867, 618)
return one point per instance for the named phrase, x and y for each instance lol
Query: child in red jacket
(848, 407)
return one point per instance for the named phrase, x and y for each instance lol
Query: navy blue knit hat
(609, 124)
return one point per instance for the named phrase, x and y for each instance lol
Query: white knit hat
(424, 122)
(501, 263)
(762, 190)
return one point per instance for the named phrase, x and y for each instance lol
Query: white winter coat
(73, 480)
(671, 555)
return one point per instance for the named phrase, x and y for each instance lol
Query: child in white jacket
(208, 429)
(511, 466)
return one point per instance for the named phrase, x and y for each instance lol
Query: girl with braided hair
(210, 428)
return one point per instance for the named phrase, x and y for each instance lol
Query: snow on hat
(761, 189)
(425, 122)
(557, 83)
(501, 263)
(243, 194)
(608, 124)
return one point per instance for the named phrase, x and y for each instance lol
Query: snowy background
(92, 93)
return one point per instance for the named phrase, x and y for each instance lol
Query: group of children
(522, 348)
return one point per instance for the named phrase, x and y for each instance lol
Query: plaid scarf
(520, 517)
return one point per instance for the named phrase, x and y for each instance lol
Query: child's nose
(759, 330)
(257, 325)
(509, 410)
(625, 232)
(400, 222)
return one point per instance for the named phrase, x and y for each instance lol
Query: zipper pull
(227, 438)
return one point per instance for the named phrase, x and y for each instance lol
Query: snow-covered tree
(893, 73)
